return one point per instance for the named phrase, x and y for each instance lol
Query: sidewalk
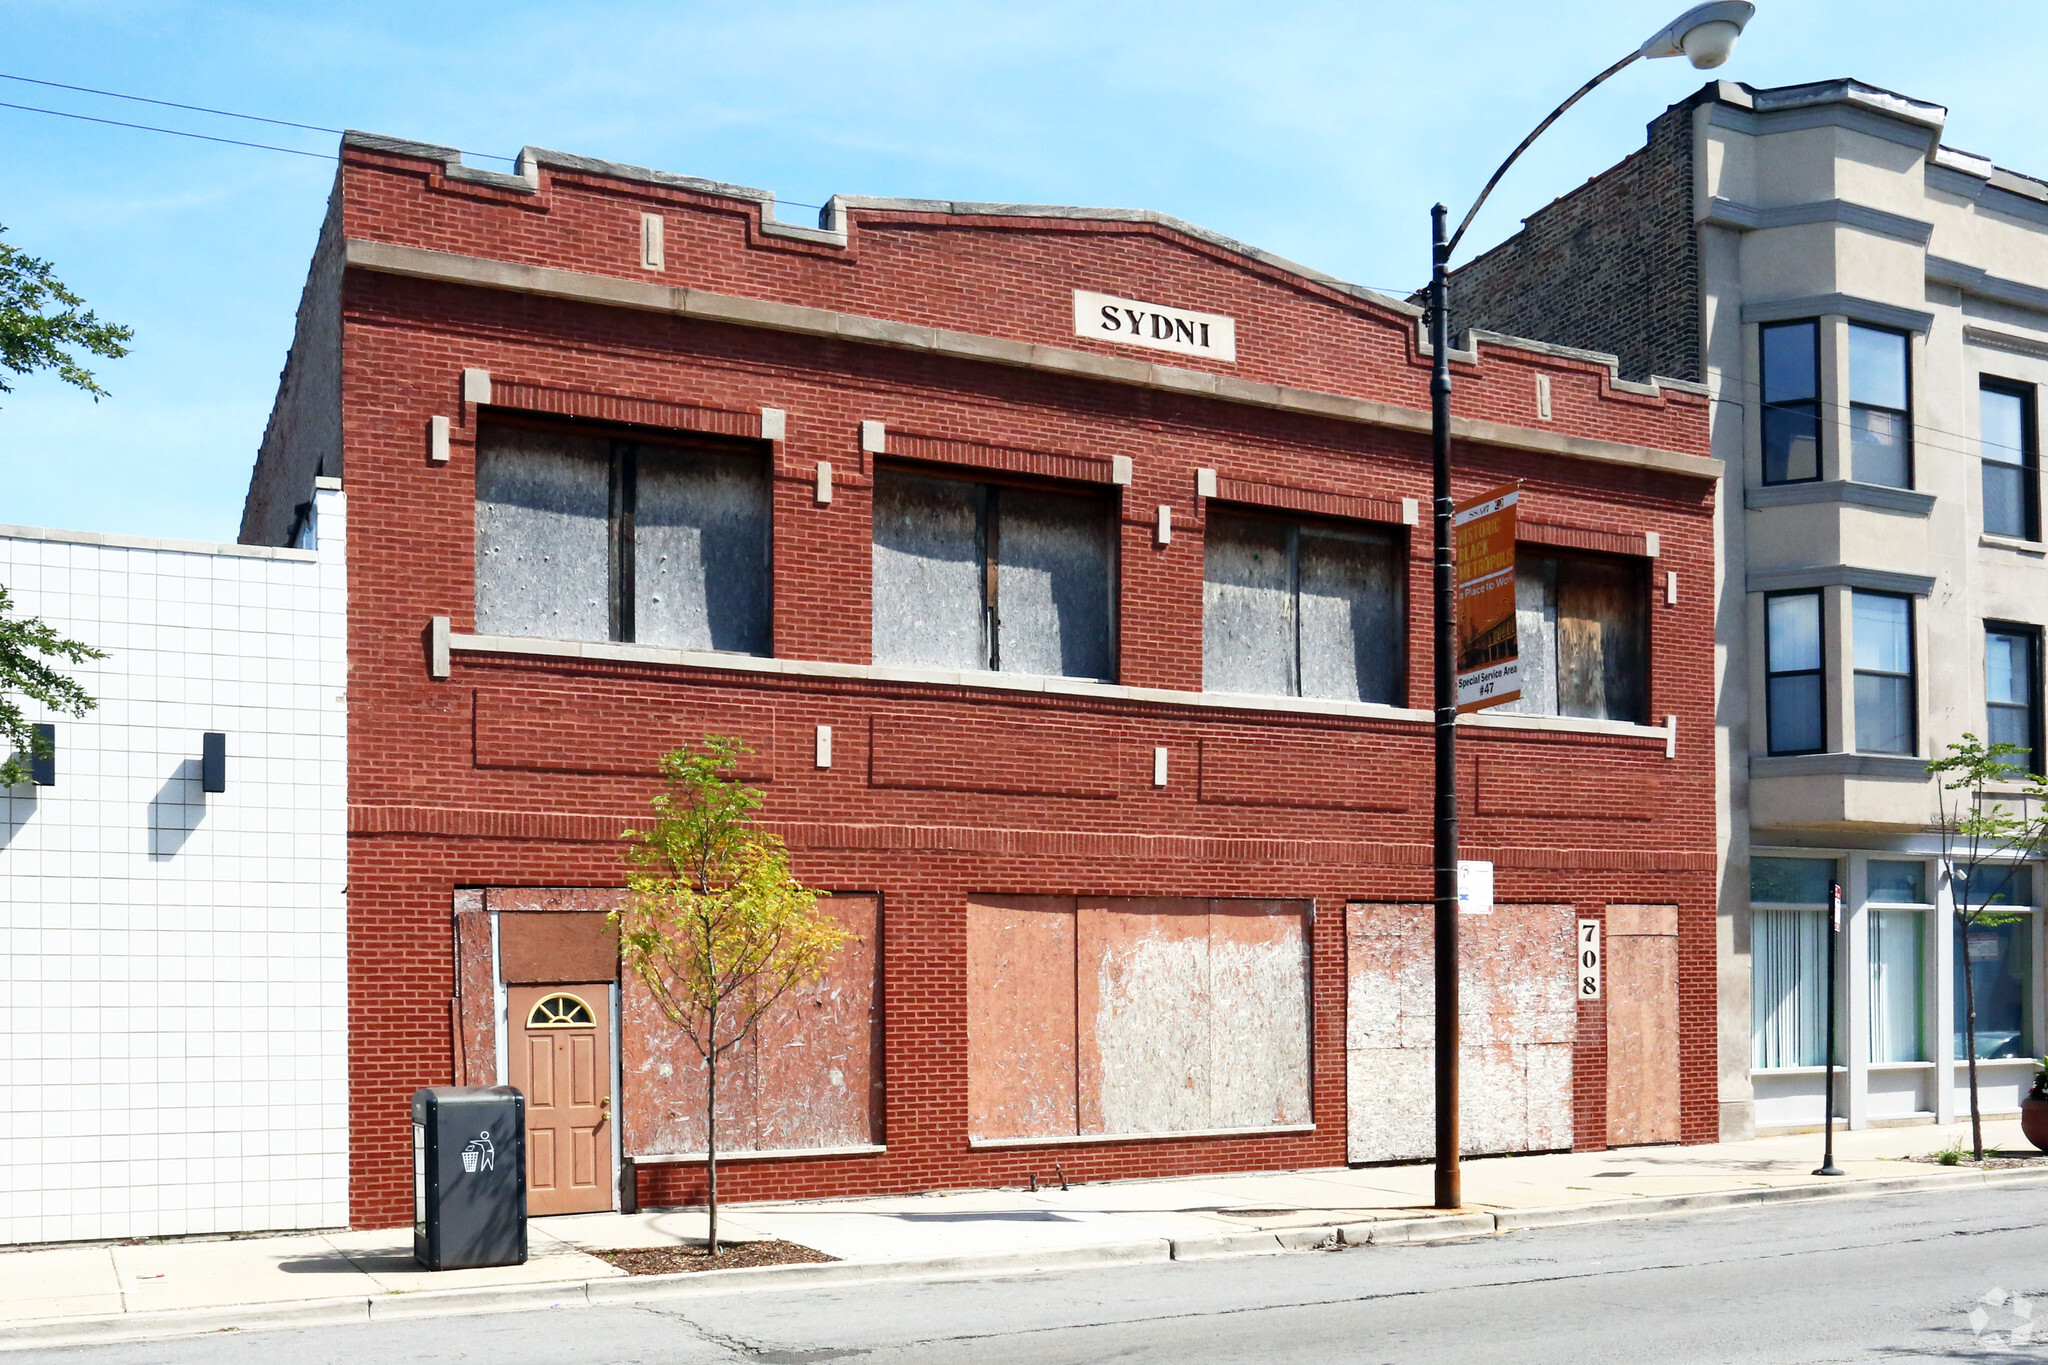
(122, 1292)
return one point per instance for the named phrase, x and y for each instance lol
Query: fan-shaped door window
(561, 1011)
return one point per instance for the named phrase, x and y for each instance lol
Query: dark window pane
(1898, 883)
(1999, 886)
(1877, 367)
(543, 535)
(1790, 881)
(1878, 447)
(2010, 725)
(2005, 500)
(1795, 714)
(700, 550)
(1794, 628)
(1884, 714)
(1248, 638)
(1791, 362)
(928, 571)
(1351, 612)
(1053, 583)
(1998, 959)
(1791, 444)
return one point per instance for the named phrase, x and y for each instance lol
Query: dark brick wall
(1613, 266)
(467, 782)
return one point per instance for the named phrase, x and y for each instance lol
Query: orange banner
(1483, 539)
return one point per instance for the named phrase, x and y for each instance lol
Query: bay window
(1791, 401)
(1885, 694)
(1880, 407)
(1795, 710)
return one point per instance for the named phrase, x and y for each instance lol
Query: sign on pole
(1489, 664)
(1475, 887)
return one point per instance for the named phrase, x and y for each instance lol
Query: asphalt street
(1953, 1275)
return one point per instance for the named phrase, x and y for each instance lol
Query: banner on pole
(1483, 539)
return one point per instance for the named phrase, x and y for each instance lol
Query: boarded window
(993, 578)
(1583, 627)
(592, 538)
(809, 1078)
(1298, 610)
(1099, 1017)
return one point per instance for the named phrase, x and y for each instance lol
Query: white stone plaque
(1128, 322)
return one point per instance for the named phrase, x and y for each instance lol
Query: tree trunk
(1970, 1043)
(711, 1139)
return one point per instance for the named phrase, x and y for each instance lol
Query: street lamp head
(1704, 35)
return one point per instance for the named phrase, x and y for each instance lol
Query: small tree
(21, 639)
(1976, 837)
(32, 337)
(715, 924)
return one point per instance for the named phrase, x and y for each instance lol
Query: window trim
(1905, 414)
(988, 542)
(2032, 635)
(1819, 672)
(1765, 404)
(1911, 675)
(2030, 450)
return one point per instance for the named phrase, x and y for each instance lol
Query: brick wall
(1612, 266)
(1346, 816)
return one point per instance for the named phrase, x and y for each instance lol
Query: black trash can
(468, 1176)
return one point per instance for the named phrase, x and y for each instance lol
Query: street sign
(1475, 888)
(1483, 537)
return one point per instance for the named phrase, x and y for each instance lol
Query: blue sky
(1320, 131)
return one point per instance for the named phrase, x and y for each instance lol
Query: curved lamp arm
(1703, 34)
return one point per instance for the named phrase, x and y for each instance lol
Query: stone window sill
(2033, 549)
(1083, 1139)
(778, 1154)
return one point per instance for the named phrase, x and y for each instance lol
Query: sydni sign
(1130, 322)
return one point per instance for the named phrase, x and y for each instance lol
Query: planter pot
(2034, 1122)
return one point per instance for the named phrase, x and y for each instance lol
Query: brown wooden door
(562, 1062)
(1642, 1024)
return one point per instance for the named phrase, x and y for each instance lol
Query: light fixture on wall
(42, 757)
(213, 762)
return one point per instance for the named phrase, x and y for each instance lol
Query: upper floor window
(582, 537)
(1297, 609)
(1795, 709)
(1791, 408)
(1885, 706)
(2007, 442)
(1582, 625)
(987, 577)
(2012, 691)
(1880, 408)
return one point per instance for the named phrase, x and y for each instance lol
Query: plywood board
(1642, 1024)
(1020, 1017)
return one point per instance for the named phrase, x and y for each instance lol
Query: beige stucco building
(1870, 310)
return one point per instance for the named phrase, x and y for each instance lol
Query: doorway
(1642, 1024)
(561, 1061)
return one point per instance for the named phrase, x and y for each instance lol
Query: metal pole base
(1829, 1169)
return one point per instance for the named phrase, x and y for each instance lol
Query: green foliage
(715, 924)
(1953, 1154)
(21, 639)
(33, 337)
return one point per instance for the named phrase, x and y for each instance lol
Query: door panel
(1642, 1025)
(562, 1063)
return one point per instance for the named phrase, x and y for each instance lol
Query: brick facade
(1612, 266)
(506, 773)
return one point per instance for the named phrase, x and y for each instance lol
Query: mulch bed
(1994, 1160)
(673, 1260)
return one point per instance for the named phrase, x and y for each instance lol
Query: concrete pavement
(169, 1288)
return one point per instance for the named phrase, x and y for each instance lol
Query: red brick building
(1062, 568)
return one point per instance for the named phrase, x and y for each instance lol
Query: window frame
(2030, 450)
(1905, 414)
(1911, 675)
(2032, 635)
(1819, 671)
(622, 495)
(988, 542)
(1766, 404)
(1296, 522)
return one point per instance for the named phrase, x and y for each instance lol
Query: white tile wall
(173, 962)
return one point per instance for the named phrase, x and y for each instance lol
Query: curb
(390, 1307)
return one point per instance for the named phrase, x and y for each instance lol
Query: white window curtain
(1789, 1000)
(1896, 955)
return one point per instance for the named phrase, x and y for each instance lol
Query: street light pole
(1704, 35)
